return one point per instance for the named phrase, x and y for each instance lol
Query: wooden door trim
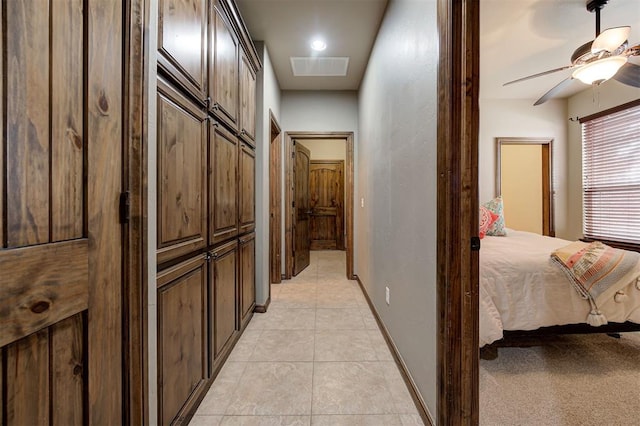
(136, 84)
(275, 200)
(458, 266)
(548, 223)
(288, 192)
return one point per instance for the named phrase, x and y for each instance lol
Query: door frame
(275, 201)
(458, 264)
(134, 310)
(548, 226)
(288, 192)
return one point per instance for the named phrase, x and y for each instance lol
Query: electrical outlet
(386, 294)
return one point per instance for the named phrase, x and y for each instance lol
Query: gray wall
(396, 229)
(268, 98)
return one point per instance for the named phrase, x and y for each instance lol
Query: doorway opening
(524, 179)
(324, 221)
(275, 200)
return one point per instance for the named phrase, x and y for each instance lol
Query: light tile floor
(315, 358)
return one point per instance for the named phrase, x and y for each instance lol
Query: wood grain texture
(224, 293)
(27, 121)
(457, 274)
(223, 184)
(104, 179)
(247, 188)
(247, 277)
(182, 171)
(67, 106)
(223, 68)
(67, 367)
(348, 210)
(136, 251)
(48, 283)
(27, 380)
(326, 199)
(247, 100)
(182, 43)
(2, 145)
(301, 210)
(182, 331)
(275, 201)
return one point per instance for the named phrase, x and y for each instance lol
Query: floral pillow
(487, 218)
(498, 227)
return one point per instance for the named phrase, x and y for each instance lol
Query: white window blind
(611, 176)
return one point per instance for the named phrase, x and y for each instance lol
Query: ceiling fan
(598, 60)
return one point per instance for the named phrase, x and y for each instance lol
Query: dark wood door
(223, 292)
(223, 184)
(182, 43)
(182, 174)
(247, 203)
(247, 100)
(301, 208)
(326, 199)
(61, 149)
(247, 277)
(223, 68)
(182, 336)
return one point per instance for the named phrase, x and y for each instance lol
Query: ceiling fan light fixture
(600, 70)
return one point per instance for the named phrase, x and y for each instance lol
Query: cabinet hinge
(125, 207)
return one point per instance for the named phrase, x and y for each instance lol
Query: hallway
(315, 358)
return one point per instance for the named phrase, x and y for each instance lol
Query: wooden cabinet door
(182, 337)
(223, 184)
(182, 43)
(223, 68)
(224, 293)
(326, 200)
(61, 150)
(247, 101)
(247, 277)
(247, 171)
(301, 255)
(182, 172)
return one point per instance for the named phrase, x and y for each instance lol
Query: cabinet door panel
(224, 282)
(182, 334)
(223, 73)
(247, 170)
(247, 101)
(247, 277)
(223, 185)
(181, 175)
(182, 43)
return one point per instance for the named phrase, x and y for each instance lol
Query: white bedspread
(521, 289)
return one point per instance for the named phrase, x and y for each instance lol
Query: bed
(522, 289)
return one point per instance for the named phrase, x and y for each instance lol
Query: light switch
(362, 202)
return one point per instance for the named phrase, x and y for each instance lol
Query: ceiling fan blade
(554, 90)
(540, 74)
(610, 39)
(629, 74)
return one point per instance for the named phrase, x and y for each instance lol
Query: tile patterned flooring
(315, 358)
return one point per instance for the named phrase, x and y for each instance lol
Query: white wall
(587, 102)
(397, 174)
(519, 118)
(268, 98)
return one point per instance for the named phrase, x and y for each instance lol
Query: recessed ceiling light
(318, 45)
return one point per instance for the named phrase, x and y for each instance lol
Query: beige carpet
(565, 380)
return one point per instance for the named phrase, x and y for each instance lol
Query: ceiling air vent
(319, 67)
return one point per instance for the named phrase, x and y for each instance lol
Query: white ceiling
(349, 28)
(518, 38)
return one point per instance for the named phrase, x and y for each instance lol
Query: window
(611, 175)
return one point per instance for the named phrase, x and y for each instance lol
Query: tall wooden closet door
(60, 239)
(247, 100)
(223, 184)
(247, 170)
